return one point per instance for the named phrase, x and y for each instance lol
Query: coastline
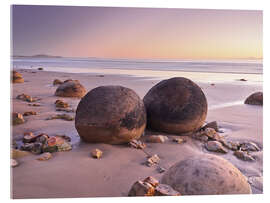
(75, 174)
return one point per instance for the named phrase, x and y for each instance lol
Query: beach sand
(77, 174)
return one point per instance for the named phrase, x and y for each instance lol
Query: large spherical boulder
(70, 88)
(176, 105)
(17, 77)
(206, 174)
(110, 114)
(255, 99)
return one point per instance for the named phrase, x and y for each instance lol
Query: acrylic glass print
(112, 102)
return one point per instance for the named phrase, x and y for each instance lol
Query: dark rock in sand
(206, 175)
(65, 117)
(137, 144)
(176, 105)
(61, 104)
(110, 114)
(70, 88)
(255, 99)
(243, 155)
(40, 68)
(249, 146)
(212, 124)
(27, 98)
(29, 113)
(17, 119)
(96, 153)
(16, 77)
(151, 180)
(140, 188)
(57, 82)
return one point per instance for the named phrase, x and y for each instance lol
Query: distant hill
(38, 56)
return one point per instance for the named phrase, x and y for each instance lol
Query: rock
(40, 68)
(255, 99)
(215, 146)
(249, 146)
(27, 147)
(17, 119)
(14, 144)
(200, 136)
(206, 174)
(42, 138)
(16, 77)
(16, 154)
(165, 190)
(243, 156)
(29, 137)
(34, 104)
(110, 114)
(212, 84)
(37, 148)
(65, 117)
(57, 82)
(156, 138)
(45, 156)
(70, 88)
(68, 110)
(175, 106)
(212, 125)
(14, 163)
(137, 144)
(179, 140)
(51, 149)
(140, 188)
(153, 160)
(65, 146)
(242, 79)
(27, 98)
(29, 113)
(61, 104)
(161, 169)
(65, 137)
(230, 144)
(96, 153)
(151, 180)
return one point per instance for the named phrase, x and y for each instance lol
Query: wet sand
(76, 174)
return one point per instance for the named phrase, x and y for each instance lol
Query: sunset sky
(136, 32)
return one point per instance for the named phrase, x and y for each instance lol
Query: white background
(209, 4)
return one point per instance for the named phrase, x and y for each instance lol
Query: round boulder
(255, 99)
(206, 174)
(70, 88)
(17, 77)
(176, 105)
(110, 114)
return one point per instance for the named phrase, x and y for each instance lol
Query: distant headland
(37, 56)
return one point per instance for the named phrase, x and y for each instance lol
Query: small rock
(100, 76)
(16, 154)
(37, 148)
(96, 153)
(215, 146)
(212, 125)
(51, 149)
(165, 190)
(68, 110)
(179, 140)
(61, 104)
(156, 138)
(230, 145)
(212, 84)
(249, 146)
(243, 155)
(17, 119)
(36, 104)
(40, 68)
(45, 156)
(151, 180)
(16, 77)
(27, 98)
(29, 113)
(153, 160)
(140, 188)
(42, 138)
(65, 146)
(200, 136)
(65, 117)
(29, 137)
(137, 144)
(161, 169)
(65, 137)
(14, 163)
(242, 79)
(57, 82)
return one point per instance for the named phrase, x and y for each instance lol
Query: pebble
(249, 146)
(29, 113)
(153, 160)
(17, 119)
(137, 144)
(45, 156)
(61, 104)
(215, 146)
(96, 153)
(156, 138)
(161, 169)
(212, 125)
(140, 188)
(14, 163)
(243, 155)
(151, 180)
(61, 116)
(179, 140)
(230, 144)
